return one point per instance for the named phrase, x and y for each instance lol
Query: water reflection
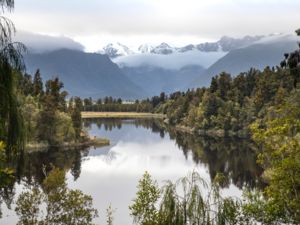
(235, 158)
(110, 174)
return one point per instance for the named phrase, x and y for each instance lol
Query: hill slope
(266, 52)
(155, 80)
(84, 74)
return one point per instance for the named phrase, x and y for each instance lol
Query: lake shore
(123, 115)
(92, 141)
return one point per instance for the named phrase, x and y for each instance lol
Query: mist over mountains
(38, 43)
(120, 71)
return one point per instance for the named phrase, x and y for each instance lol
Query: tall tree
(143, 208)
(37, 84)
(10, 60)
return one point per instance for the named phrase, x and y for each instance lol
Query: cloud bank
(190, 19)
(37, 43)
(172, 61)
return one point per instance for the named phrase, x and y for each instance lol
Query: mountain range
(268, 51)
(225, 44)
(149, 70)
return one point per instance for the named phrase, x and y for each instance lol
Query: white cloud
(38, 43)
(172, 61)
(125, 19)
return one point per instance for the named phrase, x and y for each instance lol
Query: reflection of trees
(234, 158)
(116, 123)
(38, 163)
(32, 167)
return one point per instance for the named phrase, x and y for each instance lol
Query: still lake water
(110, 174)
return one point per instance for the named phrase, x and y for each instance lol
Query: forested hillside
(231, 104)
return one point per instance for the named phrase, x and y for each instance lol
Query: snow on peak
(225, 44)
(114, 50)
(163, 49)
(145, 48)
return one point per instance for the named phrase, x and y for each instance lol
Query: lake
(110, 174)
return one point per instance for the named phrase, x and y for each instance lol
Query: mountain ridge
(84, 74)
(225, 44)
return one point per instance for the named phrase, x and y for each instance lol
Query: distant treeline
(110, 104)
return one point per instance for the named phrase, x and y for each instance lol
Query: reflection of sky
(111, 174)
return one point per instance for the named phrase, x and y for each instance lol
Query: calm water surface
(110, 174)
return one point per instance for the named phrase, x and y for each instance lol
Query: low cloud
(37, 43)
(172, 61)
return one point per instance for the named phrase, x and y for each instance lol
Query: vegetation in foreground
(63, 206)
(189, 200)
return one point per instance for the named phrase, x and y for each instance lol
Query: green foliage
(45, 114)
(183, 203)
(38, 84)
(30, 111)
(143, 208)
(11, 129)
(279, 136)
(187, 201)
(7, 177)
(63, 206)
(109, 104)
(6, 174)
(28, 207)
(256, 208)
(230, 105)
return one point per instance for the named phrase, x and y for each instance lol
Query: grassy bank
(123, 115)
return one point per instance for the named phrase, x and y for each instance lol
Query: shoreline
(242, 134)
(122, 115)
(92, 142)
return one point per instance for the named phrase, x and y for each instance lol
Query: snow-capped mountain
(145, 48)
(225, 44)
(187, 48)
(114, 50)
(163, 49)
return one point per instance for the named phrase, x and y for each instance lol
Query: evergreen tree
(143, 208)
(37, 84)
(25, 84)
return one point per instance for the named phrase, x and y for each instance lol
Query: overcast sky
(97, 22)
